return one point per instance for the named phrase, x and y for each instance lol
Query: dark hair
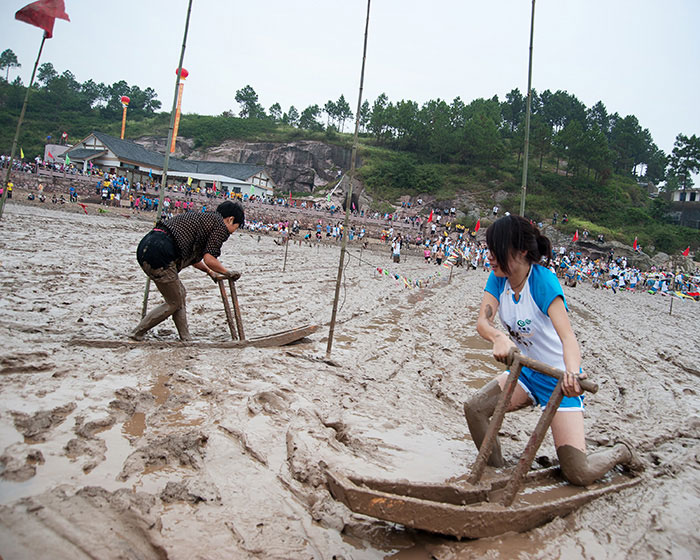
(228, 209)
(515, 233)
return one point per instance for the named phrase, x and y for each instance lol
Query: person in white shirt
(530, 303)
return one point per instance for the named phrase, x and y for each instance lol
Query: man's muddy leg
(180, 315)
(172, 294)
(478, 410)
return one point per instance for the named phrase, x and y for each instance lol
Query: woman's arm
(486, 327)
(572, 352)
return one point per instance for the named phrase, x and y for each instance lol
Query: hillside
(583, 161)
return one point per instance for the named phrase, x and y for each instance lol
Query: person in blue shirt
(530, 304)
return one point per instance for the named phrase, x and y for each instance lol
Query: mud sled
(475, 506)
(235, 325)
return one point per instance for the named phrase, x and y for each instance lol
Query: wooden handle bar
(586, 384)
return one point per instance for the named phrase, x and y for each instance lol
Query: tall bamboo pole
(166, 161)
(527, 116)
(19, 126)
(348, 198)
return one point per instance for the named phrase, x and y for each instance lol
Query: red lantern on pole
(125, 103)
(183, 73)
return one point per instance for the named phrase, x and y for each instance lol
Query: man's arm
(213, 267)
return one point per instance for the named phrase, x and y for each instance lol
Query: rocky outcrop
(301, 166)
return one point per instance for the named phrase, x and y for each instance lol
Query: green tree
(540, 136)
(309, 118)
(46, 74)
(365, 114)
(276, 112)
(628, 142)
(513, 109)
(331, 111)
(8, 60)
(598, 115)
(248, 100)
(685, 159)
(407, 124)
(656, 165)
(435, 115)
(342, 111)
(380, 118)
(291, 117)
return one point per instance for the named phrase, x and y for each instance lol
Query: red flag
(42, 14)
(634, 245)
(430, 218)
(686, 252)
(478, 225)
(50, 154)
(83, 207)
(575, 239)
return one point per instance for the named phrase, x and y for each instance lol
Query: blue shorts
(539, 388)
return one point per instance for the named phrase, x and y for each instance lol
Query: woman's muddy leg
(581, 469)
(569, 439)
(481, 406)
(478, 410)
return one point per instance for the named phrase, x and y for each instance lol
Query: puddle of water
(159, 390)
(136, 425)
(423, 456)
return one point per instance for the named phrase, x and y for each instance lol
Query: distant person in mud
(530, 303)
(192, 238)
(396, 249)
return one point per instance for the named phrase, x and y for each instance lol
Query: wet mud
(175, 452)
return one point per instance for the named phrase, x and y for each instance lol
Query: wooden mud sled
(235, 325)
(474, 506)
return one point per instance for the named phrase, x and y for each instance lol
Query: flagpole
(19, 126)
(527, 116)
(166, 161)
(348, 197)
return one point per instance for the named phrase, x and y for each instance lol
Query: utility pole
(527, 116)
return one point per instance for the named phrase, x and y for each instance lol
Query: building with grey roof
(126, 157)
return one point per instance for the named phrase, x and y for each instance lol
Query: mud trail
(156, 452)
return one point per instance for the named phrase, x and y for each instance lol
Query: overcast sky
(638, 57)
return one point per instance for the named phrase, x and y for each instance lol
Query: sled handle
(536, 365)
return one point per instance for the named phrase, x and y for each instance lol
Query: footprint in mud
(25, 362)
(185, 450)
(191, 491)
(268, 402)
(19, 463)
(35, 427)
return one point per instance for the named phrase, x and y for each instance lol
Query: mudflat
(168, 451)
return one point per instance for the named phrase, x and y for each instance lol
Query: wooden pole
(227, 309)
(19, 126)
(348, 198)
(516, 481)
(166, 161)
(527, 116)
(286, 248)
(495, 423)
(236, 308)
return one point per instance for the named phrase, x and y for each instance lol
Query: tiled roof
(83, 153)
(135, 153)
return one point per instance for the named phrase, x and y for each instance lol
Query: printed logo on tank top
(523, 332)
